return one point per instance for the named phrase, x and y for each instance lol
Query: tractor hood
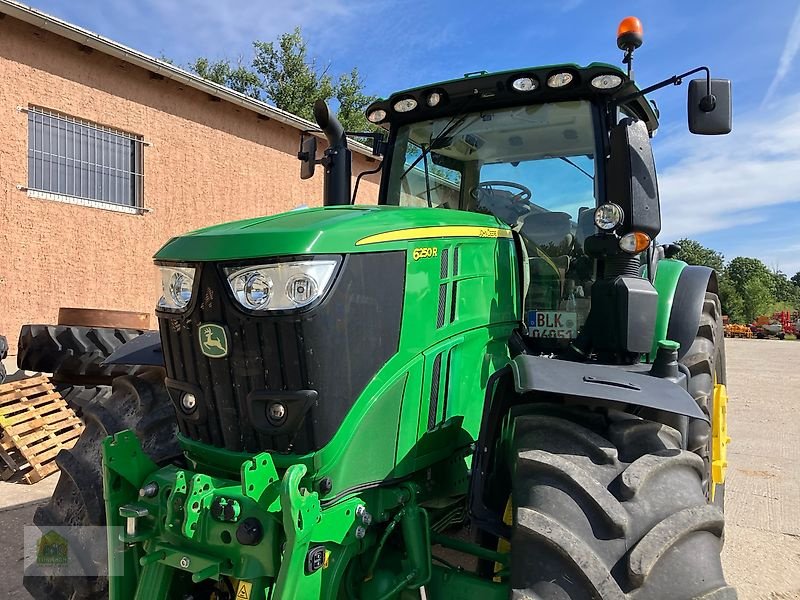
(329, 230)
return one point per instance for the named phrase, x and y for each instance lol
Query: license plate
(552, 324)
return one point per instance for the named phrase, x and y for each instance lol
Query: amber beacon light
(629, 38)
(629, 33)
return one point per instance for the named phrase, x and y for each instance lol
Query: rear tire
(139, 403)
(73, 353)
(612, 511)
(705, 360)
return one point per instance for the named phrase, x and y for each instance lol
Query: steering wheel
(523, 195)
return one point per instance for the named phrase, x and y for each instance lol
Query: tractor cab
(531, 166)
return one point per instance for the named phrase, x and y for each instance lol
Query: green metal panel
(666, 282)
(329, 230)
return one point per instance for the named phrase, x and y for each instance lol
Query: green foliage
(353, 102)
(743, 269)
(756, 298)
(283, 73)
(238, 77)
(732, 302)
(747, 287)
(289, 79)
(694, 253)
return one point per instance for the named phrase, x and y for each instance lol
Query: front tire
(139, 403)
(609, 507)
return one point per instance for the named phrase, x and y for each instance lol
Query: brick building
(107, 153)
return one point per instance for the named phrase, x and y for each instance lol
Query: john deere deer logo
(213, 341)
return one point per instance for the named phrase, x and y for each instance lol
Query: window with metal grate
(80, 160)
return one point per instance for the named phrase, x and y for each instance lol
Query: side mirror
(631, 177)
(307, 156)
(710, 115)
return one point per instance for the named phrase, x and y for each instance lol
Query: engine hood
(328, 230)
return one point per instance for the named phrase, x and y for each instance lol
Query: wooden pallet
(36, 424)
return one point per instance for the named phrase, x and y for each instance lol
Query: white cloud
(213, 28)
(790, 51)
(719, 182)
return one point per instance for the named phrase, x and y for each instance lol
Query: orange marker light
(634, 242)
(629, 33)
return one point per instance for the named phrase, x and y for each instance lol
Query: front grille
(317, 362)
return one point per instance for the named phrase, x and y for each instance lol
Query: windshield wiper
(566, 160)
(455, 121)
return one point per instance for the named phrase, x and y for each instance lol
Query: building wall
(208, 161)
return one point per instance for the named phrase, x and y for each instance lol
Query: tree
(694, 253)
(353, 102)
(784, 290)
(289, 79)
(238, 77)
(743, 269)
(756, 298)
(796, 279)
(283, 74)
(732, 302)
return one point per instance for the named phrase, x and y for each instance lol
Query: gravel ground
(762, 497)
(762, 536)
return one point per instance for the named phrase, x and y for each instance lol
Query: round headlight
(302, 289)
(524, 84)
(405, 105)
(257, 290)
(608, 216)
(180, 289)
(557, 80)
(634, 242)
(376, 116)
(606, 82)
(433, 99)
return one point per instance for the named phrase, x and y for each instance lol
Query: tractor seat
(551, 232)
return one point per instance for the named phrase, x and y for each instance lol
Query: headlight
(405, 105)
(176, 288)
(376, 116)
(524, 84)
(558, 80)
(606, 82)
(608, 216)
(281, 286)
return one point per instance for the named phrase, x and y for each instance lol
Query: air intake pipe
(338, 159)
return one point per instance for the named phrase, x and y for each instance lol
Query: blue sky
(739, 193)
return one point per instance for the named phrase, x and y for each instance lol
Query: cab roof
(484, 90)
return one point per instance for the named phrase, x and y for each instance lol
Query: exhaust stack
(337, 159)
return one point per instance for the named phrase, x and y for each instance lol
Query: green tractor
(493, 384)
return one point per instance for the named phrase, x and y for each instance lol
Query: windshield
(532, 167)
(509, 162)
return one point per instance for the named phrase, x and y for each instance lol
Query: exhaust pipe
(338, 159)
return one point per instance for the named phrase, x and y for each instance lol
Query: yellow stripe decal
(443, 231)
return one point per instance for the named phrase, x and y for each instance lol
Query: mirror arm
(706, 105)
(378, 144)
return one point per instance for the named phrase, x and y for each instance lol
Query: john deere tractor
(494, 383)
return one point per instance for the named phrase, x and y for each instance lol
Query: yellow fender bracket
(719, 437)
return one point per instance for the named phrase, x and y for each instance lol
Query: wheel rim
(719, 437)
